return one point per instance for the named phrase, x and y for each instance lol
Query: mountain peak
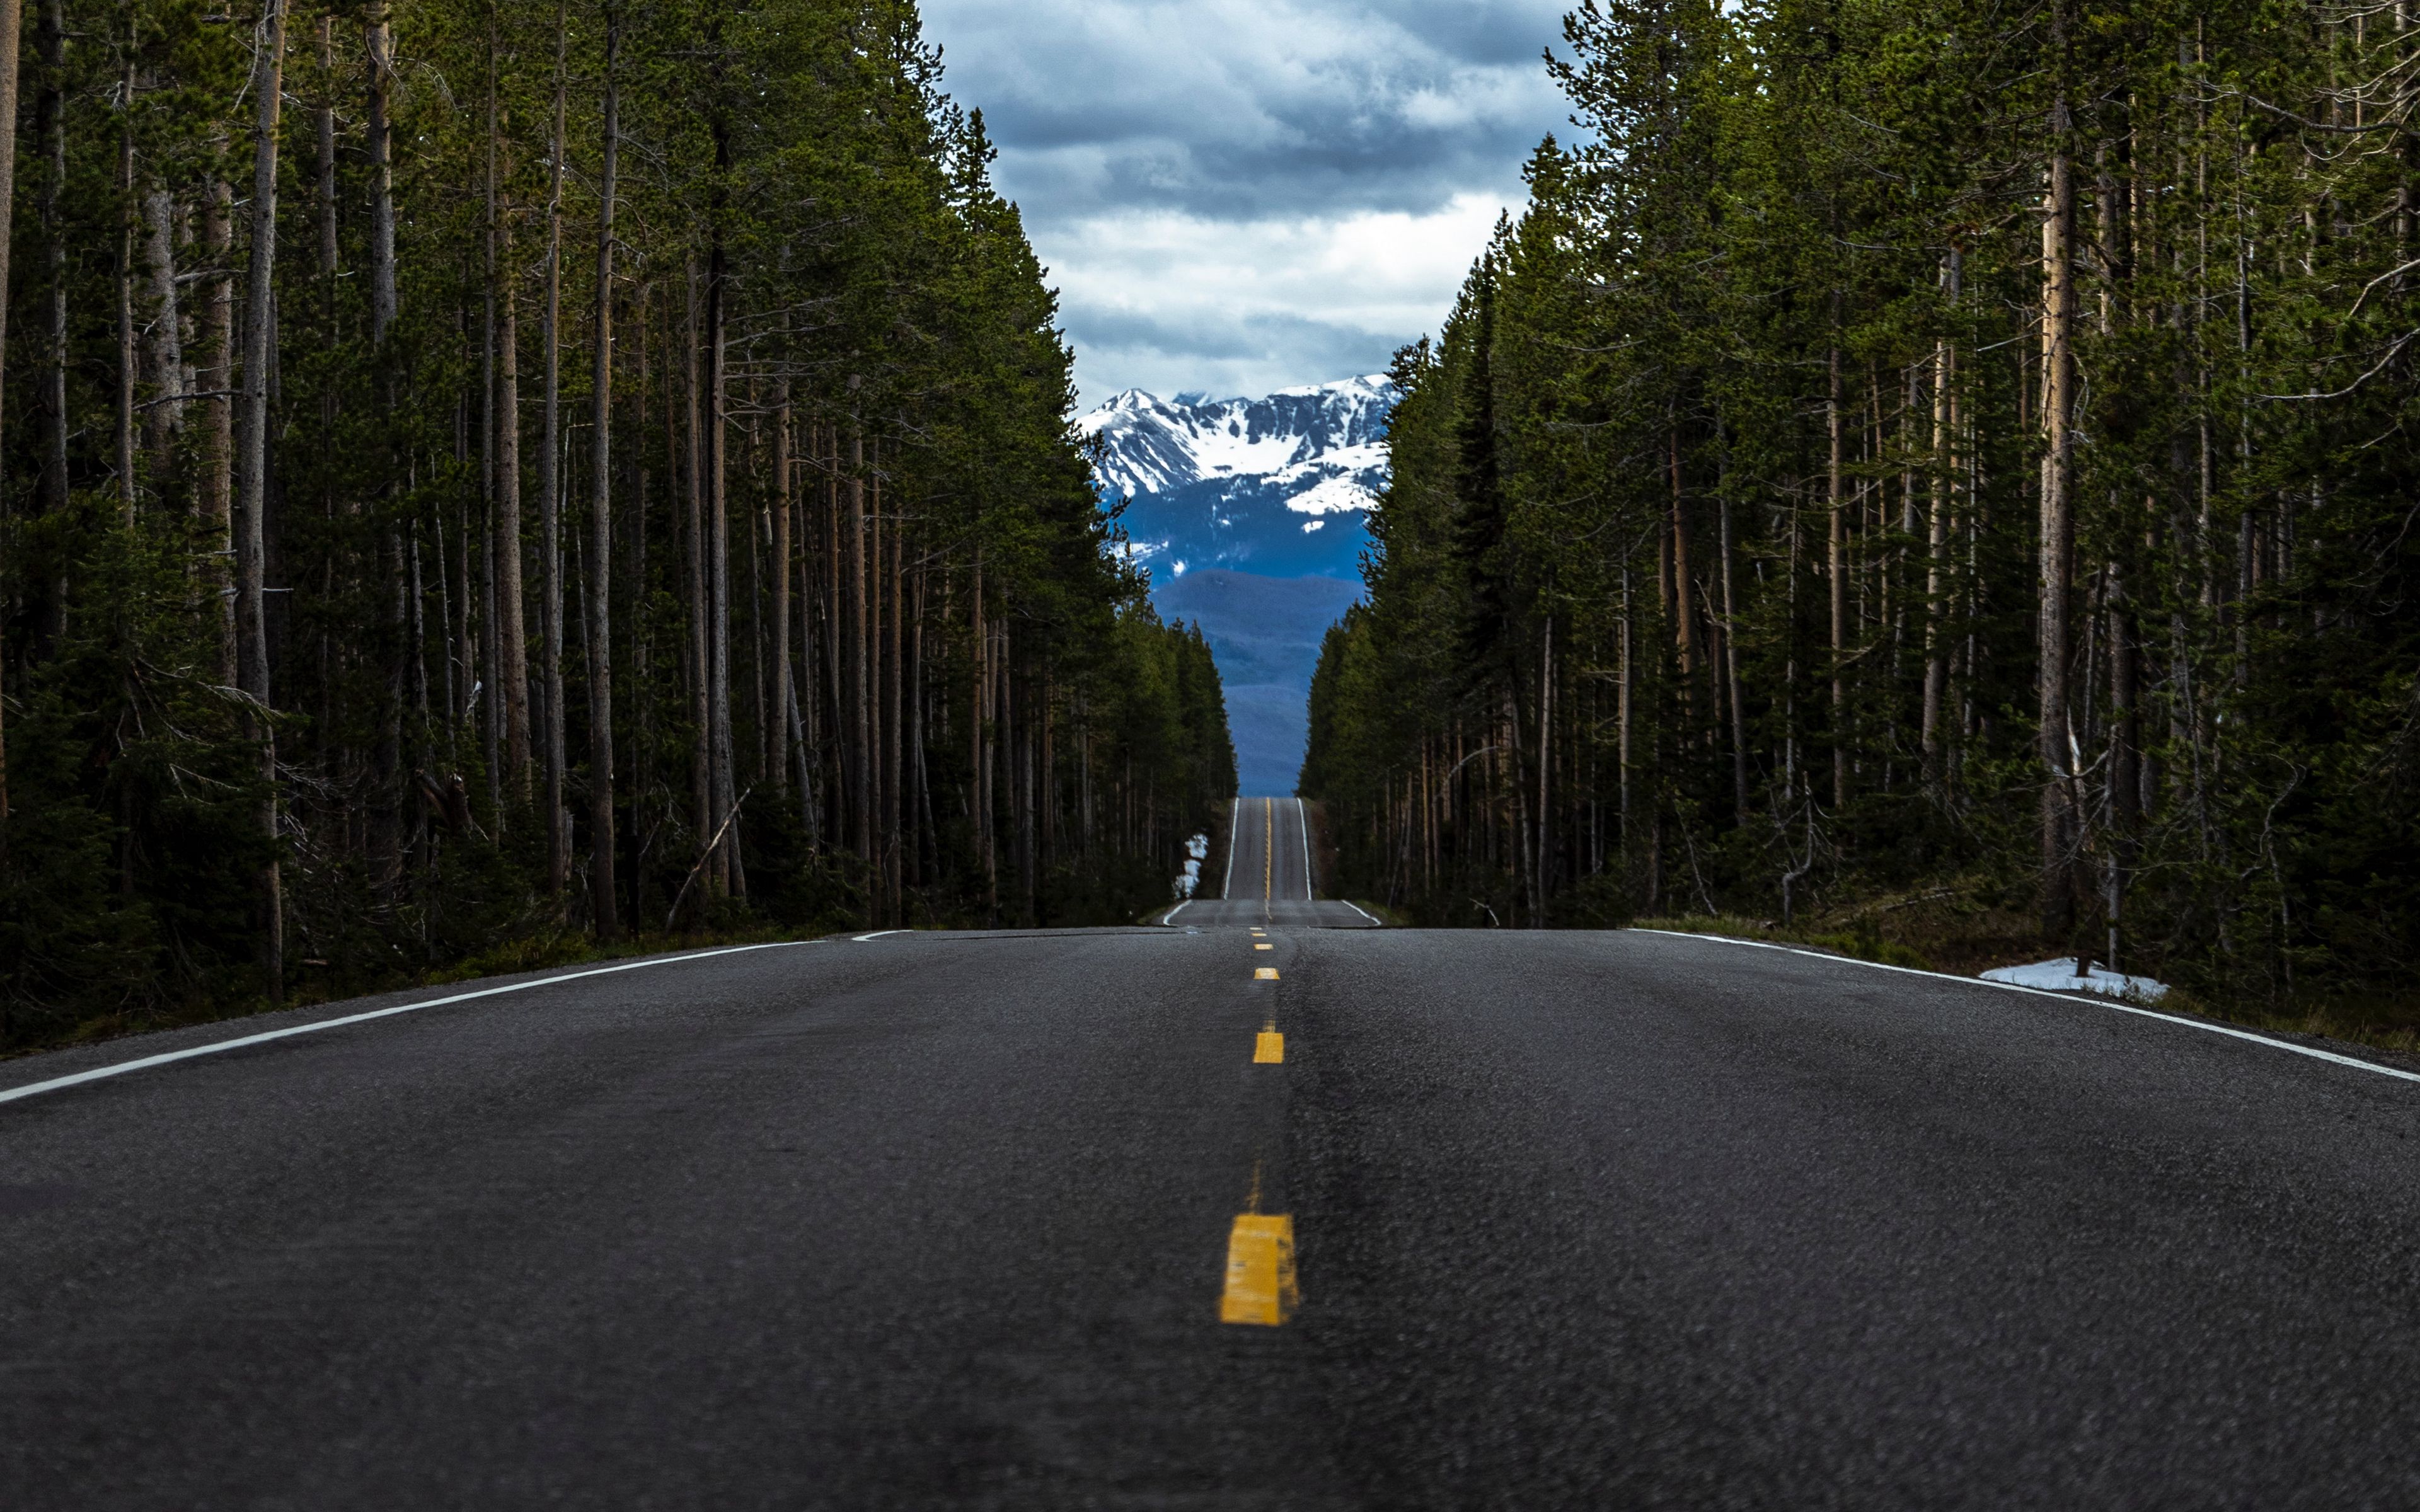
(1336, 429)
(1247, 482)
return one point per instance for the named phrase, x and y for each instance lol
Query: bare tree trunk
(602, 893)
(784, 706)
(381, 150)
(1937, 648)
(1684, 614)
(2058, 832)
(693, 480)
(1839, 572)
(512, 623)
(549, 489)
(51, 116)
(324, 118)
(11, 18)
(719, 569)
(126, 224)
(165, 419)
(1731, 673)
(250, 556)
(979, 737)
(895, 730)
(861, 679)
(218, 380)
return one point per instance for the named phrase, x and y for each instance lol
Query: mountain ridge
(1280, 484)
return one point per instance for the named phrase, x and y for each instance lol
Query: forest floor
(1946, 929)
(526, 953)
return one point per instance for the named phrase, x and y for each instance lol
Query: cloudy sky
(1237, 195)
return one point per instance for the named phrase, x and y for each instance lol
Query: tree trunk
(777, 766)
(218, 380)
(550, 498)
(512, 623)
(2059, 819)
(693, 482)
(11, 17)
(1839, 584)
(250, 556)
(165, 419)
(380, 44)
(728, 862)
(51, 116)
(602, 893)
(126, 224)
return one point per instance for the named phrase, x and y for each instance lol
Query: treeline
(1912, 443)
(475, 472)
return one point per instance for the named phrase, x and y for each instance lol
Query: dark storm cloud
(1252, 108)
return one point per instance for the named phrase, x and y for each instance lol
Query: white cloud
(1236, 196)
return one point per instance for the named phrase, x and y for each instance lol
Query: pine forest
(1910, 459)
(479, 478)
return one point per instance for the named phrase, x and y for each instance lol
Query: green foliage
(1598, 671)
(799, 206)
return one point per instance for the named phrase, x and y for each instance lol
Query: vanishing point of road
(1238, 1211)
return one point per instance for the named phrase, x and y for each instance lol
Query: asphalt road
(917, 1221)
(1268, 875)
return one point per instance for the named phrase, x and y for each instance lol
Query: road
(1578, 1220)
(1268, 875)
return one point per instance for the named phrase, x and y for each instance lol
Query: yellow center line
(1259, 1265)
(1269, 1048)
(1265, 973)
(1264, 947)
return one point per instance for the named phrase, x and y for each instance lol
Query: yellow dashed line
(1260, 1270)
(1264, 947)
(1265, 973)
(1269, 1048)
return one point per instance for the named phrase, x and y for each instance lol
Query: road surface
(1268, 872)
(1578, 1220)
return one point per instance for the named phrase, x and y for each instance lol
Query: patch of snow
(2060, 976)
(1152, 444)
(1333, 496)
(1195, 850)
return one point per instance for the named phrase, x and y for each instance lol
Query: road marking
(146, 1062)
(2064, 997)
(1259, 1265)
(1265, 973)
(1264, 947)
(879, 933)
(1227, 883)
(1269, 1048)
(1302, 817)
(1365, 913)
(1268, 851)
(1170, 918)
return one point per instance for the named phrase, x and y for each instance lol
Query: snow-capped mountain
(1278, 485)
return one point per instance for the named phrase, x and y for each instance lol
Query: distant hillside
(1265, 633)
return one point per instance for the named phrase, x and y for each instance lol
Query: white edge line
(1234, 823)
(879, 933)
(1170, 918)
(1363, 912)
(146, 1062)
(1302, 818)
(2178, 1019)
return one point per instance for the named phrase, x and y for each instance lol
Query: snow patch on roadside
(2060, 976)
(1196, 851)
